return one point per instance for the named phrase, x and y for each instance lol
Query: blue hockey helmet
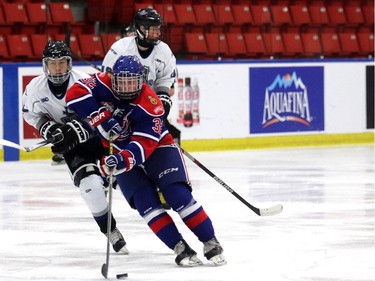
(127, 77)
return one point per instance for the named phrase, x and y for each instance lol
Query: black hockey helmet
(55, 51)
(146, 17)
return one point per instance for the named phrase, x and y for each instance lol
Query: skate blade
(123, 251)
(190, 262)
(218, 260)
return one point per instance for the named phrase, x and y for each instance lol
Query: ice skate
(186, 256)
(118, 242)
(214, 252)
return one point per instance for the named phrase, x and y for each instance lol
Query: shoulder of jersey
(79, 74)
(164, 50)
(98, 79)
(36, 81)
(103, 77)
(149, 102)
(164, 46)
(119, 44)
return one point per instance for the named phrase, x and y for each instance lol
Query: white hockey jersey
(40, 105)
(160, 64)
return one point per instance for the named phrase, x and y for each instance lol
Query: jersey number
(89, 82)
(158, 125)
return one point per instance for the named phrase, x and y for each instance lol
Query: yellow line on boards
(261, 142)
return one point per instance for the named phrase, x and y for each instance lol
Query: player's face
(127, 84)
(57, 66)
(154, 32)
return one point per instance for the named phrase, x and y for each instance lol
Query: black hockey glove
(48, 128)
(68, 137)
(166, 101)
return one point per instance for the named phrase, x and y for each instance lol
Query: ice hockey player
(155, 55)
(146, 157)
(45, 109)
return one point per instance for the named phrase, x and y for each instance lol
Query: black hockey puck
(120, 276)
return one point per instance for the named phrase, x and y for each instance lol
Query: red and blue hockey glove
(68, 137)
(103, 121)
(117, 163)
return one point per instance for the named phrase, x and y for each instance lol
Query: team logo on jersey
(153, 100)
(126, 127)
(108, 105)
(120, 113)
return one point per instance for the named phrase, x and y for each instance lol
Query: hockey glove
(48, 128)
(103, 121)
(68, 137)
(117, 163)
(106, 180)
(166, 101)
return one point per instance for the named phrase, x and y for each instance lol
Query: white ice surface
(325, 232)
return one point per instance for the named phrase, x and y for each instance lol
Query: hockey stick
(105, 265)
(274, 210)
(25, 148)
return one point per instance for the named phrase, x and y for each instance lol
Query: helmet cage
(127, 77)
(126, 85)
(143, 37)
(59, 78)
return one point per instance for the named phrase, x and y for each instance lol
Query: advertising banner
(286, 99)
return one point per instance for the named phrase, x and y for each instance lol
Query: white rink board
(224, 98)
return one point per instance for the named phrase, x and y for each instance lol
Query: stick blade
(105, 270)
(37, 145)
(121, 276)
(274, 210)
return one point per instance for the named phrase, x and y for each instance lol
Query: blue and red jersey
(141, 119)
